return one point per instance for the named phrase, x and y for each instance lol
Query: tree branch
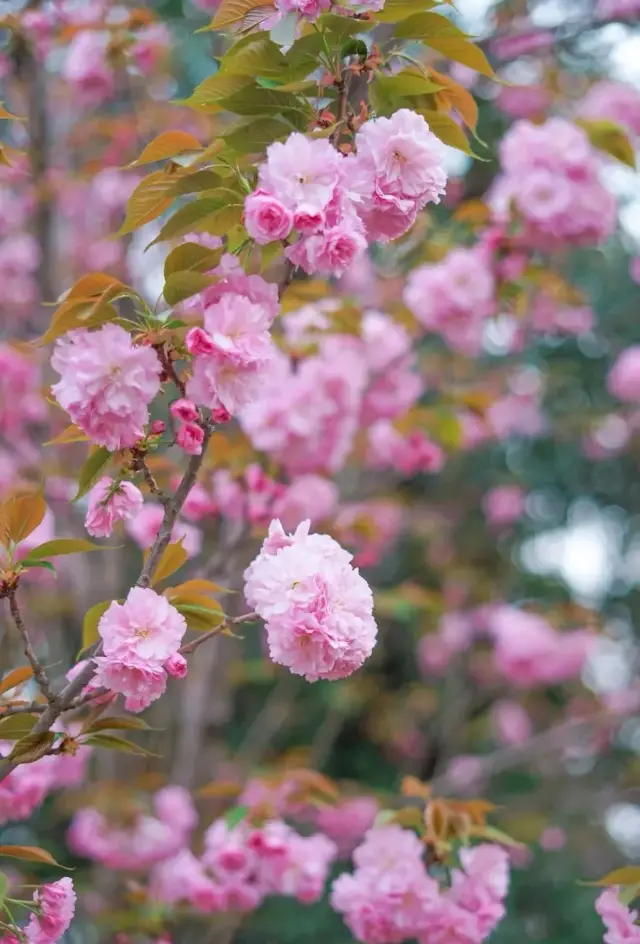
(38, 671)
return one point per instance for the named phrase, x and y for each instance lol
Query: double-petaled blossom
(317, 608)
(56, 905)
(619, 921)
(106, 384)
(86, 68)
(617, 102)
(139, 638)
(110, 502)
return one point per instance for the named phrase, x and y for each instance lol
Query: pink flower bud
(157, 428)
(190, 438)
(176, 666)
(199, 342)
(220, 415)
(184, 410)
(308, 219)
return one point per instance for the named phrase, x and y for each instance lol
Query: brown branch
(343, 86)
(38, 671)
(197, 642)
(66, 699)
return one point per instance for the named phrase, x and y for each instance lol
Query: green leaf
(627, 875)
(214, 214)
(183, 285)
(251, 137)
(235, 815)
(210, 617)
(261, 56)
(191, 257)
(4, 887)
(92, 617)
(92, 470)
(449, 132)
(117, 724)
(445, 37)
(609, 137)
(32, 747)
(354, 47)
(62, 546)
(29, 854)
(260, 101)
(340, 28)
(115, 743)
(16, 726)
(27, 564)
(217, 87)
(396, 10)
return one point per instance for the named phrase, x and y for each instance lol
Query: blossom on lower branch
(140, 642)
(390, 897)
(318, 609)
(619, 921)
(53, 909)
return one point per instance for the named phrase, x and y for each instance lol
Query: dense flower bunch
(336, 204)
(142, 839)
(106, 384)
(550, 175)
(317, 609)
(53, 908)
(391, 898)
(140, 642)
(242, 865)
(454, 298)
(232, 354)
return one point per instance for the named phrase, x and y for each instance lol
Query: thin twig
(343, 85)
(197, 642)
(39, 673)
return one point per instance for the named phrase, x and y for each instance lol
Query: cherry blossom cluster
(106, 384)
(318, 610)
(527, 651)
(150, 837)
(619, 921)
(613, 101)
(233, 352)
(454, 298)
(140, 642)
(391, 898)
(550, 174)
(339, 204)
(53, 908)
(241, 865)
(110, 502)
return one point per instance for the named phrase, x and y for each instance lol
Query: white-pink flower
(109, 503)
(56, 903)
(106, 384)
(146, 627)
(317, 608)
(302, 171)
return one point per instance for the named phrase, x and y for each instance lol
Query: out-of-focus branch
(39, 673)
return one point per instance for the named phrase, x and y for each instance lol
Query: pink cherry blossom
(504, 504)
(110, 502)
(301, 172)
(266, 218)
(408, 454)
(190, 437)
(317, 609)
(184, 410)
(86, 68)
(146, 627)
(619, 921)
(624, 377)
(613, 101)
(106, 384)
(56, 903)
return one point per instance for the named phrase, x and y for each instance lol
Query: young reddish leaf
(609, 137)
(20, 516)
(7, 114)
(15, 678)
(194, 586)
(29, 854)
(32, 747)
(173, 557)
(166, 145)
(72, 434)
(220, 789)
(149, 200)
